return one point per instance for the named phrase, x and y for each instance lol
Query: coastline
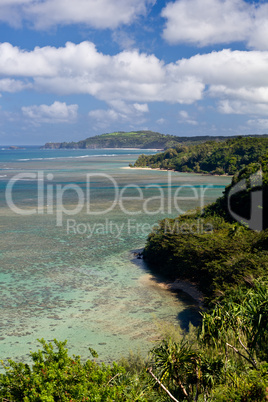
(88, 148)
(149, 279)
(188, 287)
(135, 149)
(172, 170)
(147, 168)
(185, 286)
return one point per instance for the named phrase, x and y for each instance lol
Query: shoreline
(134, 168)
(96, 149)
(177, 171)
(150, 279)
(147, 168)
(132, 149)
(185, 286)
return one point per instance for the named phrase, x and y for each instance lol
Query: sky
(74, 69)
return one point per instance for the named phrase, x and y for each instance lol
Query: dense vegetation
(215, 157)
(210, 247)
(225, 359)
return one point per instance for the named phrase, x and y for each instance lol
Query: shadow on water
(191, 312)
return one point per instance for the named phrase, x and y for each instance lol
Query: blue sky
(73, 69)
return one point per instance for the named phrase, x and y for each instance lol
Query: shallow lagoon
(84, 285)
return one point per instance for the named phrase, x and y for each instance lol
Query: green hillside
(135, 139)
(120, 139)
(224, 253)
(224, 157)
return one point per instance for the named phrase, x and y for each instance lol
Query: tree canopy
(214, 157)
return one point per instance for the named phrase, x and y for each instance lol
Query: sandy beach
(183, 285)
(147, 168)
(177, 171)
(137, 149)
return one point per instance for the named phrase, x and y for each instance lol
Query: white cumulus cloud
(100, 14)
(129, 80)
(58, 112)
(258, 124)
(242, 107)
(141, 107)
(161, 121)
(185, 118)
(81, 69)
(11, 11)
(11, 85)
(208, 22)
(120, 112)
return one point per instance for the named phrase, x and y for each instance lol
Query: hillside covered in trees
(214, 157)
(134, 139)
(120, 139)
(224, 252)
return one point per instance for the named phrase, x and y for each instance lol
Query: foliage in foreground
(226, 360)
(55, 376)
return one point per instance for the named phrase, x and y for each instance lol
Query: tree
(186, 372)
(55, 376)
(241, 325)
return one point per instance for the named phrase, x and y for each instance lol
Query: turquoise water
(77, 279)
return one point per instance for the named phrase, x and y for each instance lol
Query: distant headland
(13, 147)
(133, 139)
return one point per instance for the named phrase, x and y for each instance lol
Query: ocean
(70, 221)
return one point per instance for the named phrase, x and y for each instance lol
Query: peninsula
(133, 139)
